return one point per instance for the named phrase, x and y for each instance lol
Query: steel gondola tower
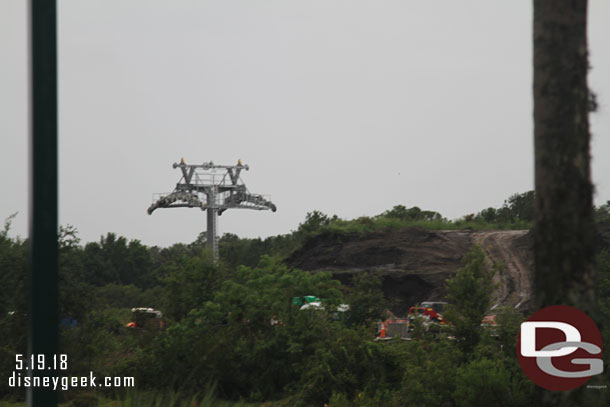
(212, 188)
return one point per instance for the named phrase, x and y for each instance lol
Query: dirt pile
(414, 263)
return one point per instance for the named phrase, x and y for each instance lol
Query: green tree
(115, 260)
(191, 282)
(508, 324)
(483, 382)
(13, 305)
(602, 213)
(469, 295)
(517, 208)
(521, 206)
(365, 299)
(603, 291)
(74, 291)
(430, 370)
(489, 215)
(228, 336)
(313, 223)
(413, 213)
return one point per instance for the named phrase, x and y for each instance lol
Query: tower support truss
(212, 188)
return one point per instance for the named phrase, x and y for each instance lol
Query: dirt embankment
(414, 263)
(512, 251)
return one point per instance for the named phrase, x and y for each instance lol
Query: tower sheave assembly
(212, 188)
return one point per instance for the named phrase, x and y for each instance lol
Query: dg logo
(560, 348)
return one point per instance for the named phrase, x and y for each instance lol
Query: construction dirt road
(511, 250)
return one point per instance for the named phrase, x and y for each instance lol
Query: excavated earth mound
(414, 263)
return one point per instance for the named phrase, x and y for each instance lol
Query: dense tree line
(220, 332)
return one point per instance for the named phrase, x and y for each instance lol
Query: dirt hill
(414, 263)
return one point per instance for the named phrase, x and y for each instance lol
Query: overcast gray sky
(349, 107)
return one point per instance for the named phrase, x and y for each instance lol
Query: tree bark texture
(564, 232)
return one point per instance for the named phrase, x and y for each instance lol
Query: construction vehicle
(428, 311)
(313, 302)
(393, 328)
(146, 318)
(306, 299)
(437, 306)
(490, 323)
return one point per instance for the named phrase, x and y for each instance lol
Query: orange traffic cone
(382, 334)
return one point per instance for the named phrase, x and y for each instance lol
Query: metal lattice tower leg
(212, 239)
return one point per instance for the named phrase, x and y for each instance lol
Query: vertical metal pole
(212, 210)
(43, 318)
